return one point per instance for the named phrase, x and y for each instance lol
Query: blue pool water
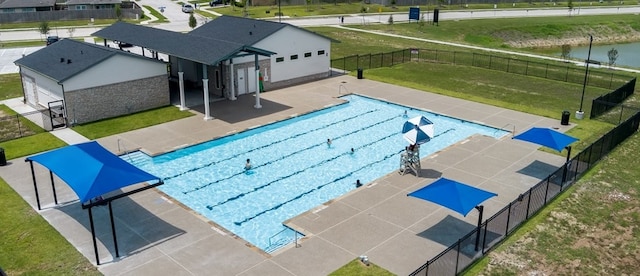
(294, 169)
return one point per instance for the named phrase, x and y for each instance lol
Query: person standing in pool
(247, 166)
(328, 142)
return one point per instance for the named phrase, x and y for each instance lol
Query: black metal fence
(22, 125)
(566, 73)
(460, 255)
(608, 101)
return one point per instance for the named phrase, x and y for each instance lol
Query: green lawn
(11, 86)
(498, 33)
(126, 123)
(23, 228)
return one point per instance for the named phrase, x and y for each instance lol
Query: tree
(421, 21)
(390, 19)
(118, 12)
(570, 5)
(44, 28)
(71, 30)
(192, 21)
(613, 55)
(566, 51)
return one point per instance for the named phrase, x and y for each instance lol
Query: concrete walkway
(157, 235)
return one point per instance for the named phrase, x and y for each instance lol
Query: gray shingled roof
(91, 2)
(242, 30)
(68, 57)
(9, 4)
(196, 48)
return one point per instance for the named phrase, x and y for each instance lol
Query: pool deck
(397, 232)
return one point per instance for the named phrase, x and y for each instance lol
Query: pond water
(628, 53)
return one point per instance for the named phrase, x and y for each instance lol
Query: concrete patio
(157, 235)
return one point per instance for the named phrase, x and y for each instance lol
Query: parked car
(187, 8)
(215, 2)
(52, 39)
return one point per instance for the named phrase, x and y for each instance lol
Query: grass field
(596, 223)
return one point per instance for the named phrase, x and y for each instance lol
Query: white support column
(205, 91)
(207, 116)
(183, 106)
(257, 83)
(233, 80)
(257, 89)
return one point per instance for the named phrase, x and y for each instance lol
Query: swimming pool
(293, 167)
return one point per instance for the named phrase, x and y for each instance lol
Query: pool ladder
(340, 90)
(125, 151)
(295, 237)
(504, 128)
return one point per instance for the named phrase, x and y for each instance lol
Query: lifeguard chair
(410, 161)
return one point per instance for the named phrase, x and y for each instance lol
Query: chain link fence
(566, 73)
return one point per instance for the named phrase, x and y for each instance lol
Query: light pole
(580, 113)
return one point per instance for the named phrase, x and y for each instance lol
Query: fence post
(529, 203)
(357, 61)
(392, 58)
(490, 61)
(19, 126)
(566, 75)
(546, 70)
(344, 65)
(369, 60)
(621, 111)
(454, 57)
(508, 64)
(473, 59)
(526, 69)
(506, 230)
(546, 190)
(458, 255)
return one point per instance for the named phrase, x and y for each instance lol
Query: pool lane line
(289, 155)
(323, 185)
(271, 144)
(210, 207)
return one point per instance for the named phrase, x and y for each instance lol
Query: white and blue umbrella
(418, 130)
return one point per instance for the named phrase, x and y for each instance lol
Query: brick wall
(88, 105)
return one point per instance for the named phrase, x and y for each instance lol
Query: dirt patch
(601, 35)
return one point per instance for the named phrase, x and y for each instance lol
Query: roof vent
(68, 61)
(82, 53)
(61, 59)
(250, 33)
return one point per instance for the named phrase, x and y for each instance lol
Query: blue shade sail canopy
(91, 170)
(418, 130)
(454, 195)
(546, 137)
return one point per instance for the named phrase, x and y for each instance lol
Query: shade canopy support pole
(93, 235)
(113, 230)
(53, 187)
(35, 185)
(480, 209)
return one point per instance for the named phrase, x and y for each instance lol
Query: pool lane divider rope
(210, 207)
(271, 144)
(325, 184)
(289, 155)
